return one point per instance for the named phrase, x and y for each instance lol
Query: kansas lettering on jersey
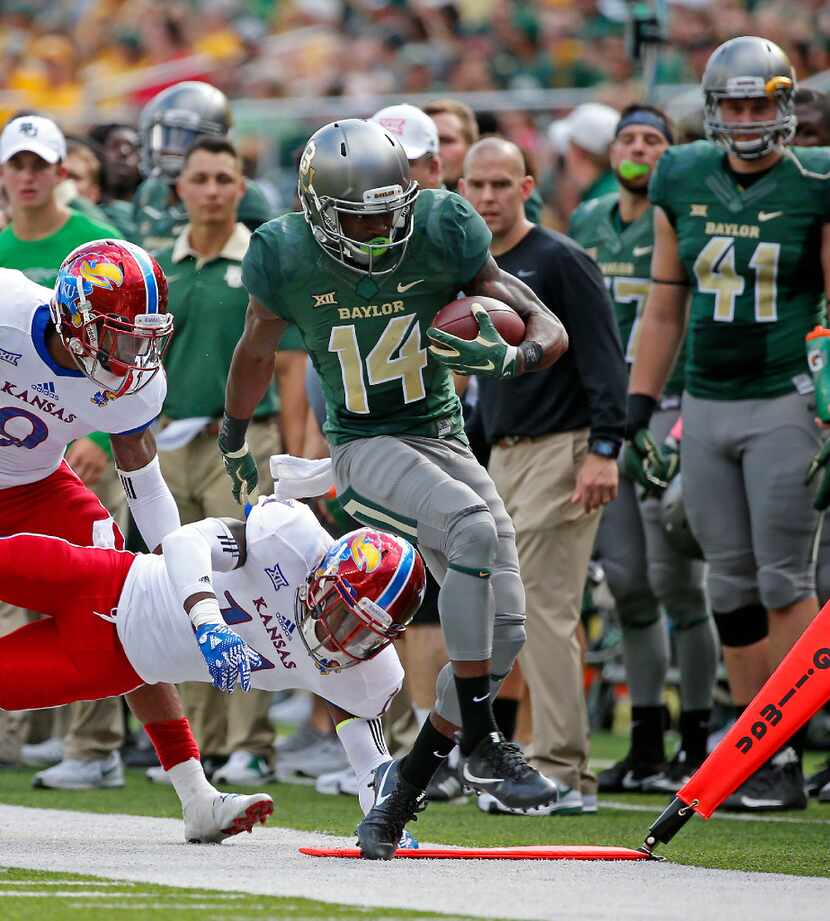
(367, 336)
(623, 254)
(753, 259)
(283, 541)
(43, 406)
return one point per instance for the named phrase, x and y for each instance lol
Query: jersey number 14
(397, 355)
(715, 272)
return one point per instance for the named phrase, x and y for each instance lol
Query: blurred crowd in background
(91, 61)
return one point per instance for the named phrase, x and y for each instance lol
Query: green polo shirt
(208, 302)
(41, 259)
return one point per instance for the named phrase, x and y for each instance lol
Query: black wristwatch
(604, 447)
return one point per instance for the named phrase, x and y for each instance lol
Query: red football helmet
(359, 598)
(110, 310)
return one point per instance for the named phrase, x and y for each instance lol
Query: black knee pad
(743, 626)
(472, 543)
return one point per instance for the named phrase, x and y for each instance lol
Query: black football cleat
(775, 786)
(396, 803)
(499, 767)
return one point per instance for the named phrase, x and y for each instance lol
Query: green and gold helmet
(749, 67)
(356, 168)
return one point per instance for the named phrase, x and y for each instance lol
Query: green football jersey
(623, 254)
(753, 259)
(367, 335)
(159, 220)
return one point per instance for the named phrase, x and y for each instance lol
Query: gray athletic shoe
(70, 774)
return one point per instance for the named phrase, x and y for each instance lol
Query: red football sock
(173, 741)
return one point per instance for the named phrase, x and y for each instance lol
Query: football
(458, 320)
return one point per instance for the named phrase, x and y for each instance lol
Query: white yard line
(267, 862)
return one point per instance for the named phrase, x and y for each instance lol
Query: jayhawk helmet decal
(360, 597)
(110, 311)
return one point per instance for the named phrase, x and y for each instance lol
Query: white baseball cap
(413, 128)
(590, 126)
(34, 133)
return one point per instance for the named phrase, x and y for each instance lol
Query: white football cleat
(211, 819)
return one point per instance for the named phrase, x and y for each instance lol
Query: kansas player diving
(84, 358)
(271, 603)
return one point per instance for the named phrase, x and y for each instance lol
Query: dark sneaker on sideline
(776, 785)
(396, 803)
(815, 782)
(628, 775)
(499, 767)
(675, 775)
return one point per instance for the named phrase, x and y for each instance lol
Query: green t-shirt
(753, 260)
(41, 259)
(604, 184)
(120, 215)
(366, 336)
(208, 303)
(158, 220)
(623, 254)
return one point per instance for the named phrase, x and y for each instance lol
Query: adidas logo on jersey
(47, 389)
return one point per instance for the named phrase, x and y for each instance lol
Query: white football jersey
(43, 406)
(284, 542)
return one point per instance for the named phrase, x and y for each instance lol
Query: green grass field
(31, 894)
(800, 844)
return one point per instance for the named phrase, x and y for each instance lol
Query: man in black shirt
(555, 436)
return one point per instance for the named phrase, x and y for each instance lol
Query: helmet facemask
(378, 256)
(771, 134)
(339, 629)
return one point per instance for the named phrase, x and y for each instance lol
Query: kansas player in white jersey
(272, 603)
(87, 357)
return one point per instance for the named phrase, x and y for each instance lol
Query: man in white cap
(419, 138)
(586, 134)
(41, 231)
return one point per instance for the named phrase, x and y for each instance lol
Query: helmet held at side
(355, 169)
(110, 310)
(749, 67)
(359, 598)
(176, 117)
(675, 523)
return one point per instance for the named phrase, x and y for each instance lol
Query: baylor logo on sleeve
(329, 299)
(699, 211)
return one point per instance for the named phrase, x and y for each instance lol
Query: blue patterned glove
(487, 354)
(229, 659)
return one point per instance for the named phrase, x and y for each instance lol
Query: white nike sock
(366, 749)
(189, 781)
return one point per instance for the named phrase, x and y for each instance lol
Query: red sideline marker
(554, 852)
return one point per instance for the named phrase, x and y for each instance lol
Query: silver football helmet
(355, 167)
(745, 68)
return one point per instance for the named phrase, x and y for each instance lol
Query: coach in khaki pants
(208, 302)
(555, 436)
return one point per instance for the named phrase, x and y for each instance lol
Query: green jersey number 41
(715, 272)
(402, 336)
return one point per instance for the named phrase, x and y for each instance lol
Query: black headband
(645, 117)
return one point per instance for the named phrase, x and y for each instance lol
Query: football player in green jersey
(169, 123)
(362, 272)
(644, 571)
(740, 224)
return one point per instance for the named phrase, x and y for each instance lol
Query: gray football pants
(743, 476)
(646, 576)
(434, 492)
